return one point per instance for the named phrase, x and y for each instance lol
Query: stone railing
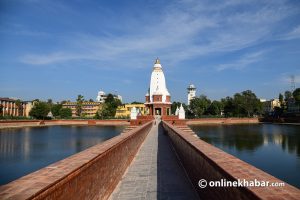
(90, 174)
(23, 123)
(204, 161)
(222, 121)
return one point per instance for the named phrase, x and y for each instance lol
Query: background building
(125, 110)
(191, 90)
(102, 96)
(89, 109)
(14, 107)
(268, 106)
(158, 99)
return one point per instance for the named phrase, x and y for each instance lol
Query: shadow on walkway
(172, 182)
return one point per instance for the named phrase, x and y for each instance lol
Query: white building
(102, 96)
(158, 98)
(191, 93)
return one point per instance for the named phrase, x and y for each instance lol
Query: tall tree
(296, 95)
(65, 113)
(39, 110)
(280, 97)
(108, 109)
(174, 106)
(215, 108)
(287, 95)
(18, 103)
(247, 103)
(55, 109)
(199, 105)
(230, 108)
(79, 102)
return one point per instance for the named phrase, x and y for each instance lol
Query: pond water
(25, 150)
(272, 148)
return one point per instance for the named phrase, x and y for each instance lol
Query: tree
(49, 101)
(103, 112)
(39, 110)
(65, 113)
(136, 102)
(174, 106)
(1, 110)
(79, 102)
(287, 95)
(91, 100)
(199, 105)
(215, 108)
(108, 109)
(55, 109)
(18, 103)
(247, 103)
(230, 108)
(280, 97)
(296, 95)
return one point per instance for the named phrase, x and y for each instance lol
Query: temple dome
(158, 82)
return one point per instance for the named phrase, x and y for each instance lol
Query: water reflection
(25, 150)
(272, 148)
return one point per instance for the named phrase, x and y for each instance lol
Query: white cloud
(186, 29)
(243, 62)
(293, 34)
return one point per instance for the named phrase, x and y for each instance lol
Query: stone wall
(204, 161)
(221, 121)
(22, 123)
(90, 174)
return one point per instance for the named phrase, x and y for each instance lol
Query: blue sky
(59, 49)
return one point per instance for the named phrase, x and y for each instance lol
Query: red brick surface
(204, 161)
(21, 123)
(222, 120)
(90, 174)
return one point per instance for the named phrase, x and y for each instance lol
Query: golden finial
(157, 61)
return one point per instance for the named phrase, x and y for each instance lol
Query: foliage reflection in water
(272, 148)
(24, 150)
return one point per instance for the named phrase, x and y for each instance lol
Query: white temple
(158, 97)
(158, 82)
(181, 113)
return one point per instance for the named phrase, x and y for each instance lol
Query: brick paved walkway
(155, 172)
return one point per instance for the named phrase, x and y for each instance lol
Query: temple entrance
(157, 111)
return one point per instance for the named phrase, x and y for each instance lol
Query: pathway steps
(155, 172)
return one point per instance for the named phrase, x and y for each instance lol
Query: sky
(58, 49)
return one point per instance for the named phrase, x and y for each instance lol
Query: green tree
(287, 95)
(296, 95)
(18, 103)
(1, 110)
(199, 105)
(39, 110)
(280, 97)
(174, 106)
(65, 113)
(55, 109)
(230, 108)
(215, 108)
(103, 112)
(108, 109)
(247, 103)
(79, 102)
(136, 102)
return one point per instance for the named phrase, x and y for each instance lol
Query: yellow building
(89, 109)
(124, 110)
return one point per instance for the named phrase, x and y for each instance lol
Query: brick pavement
(155, 173)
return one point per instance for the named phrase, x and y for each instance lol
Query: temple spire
(157, 61)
